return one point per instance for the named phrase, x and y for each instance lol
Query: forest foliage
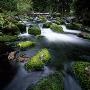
(80, 9)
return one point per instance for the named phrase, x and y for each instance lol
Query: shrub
(34, 30)
(1, 20)
(74, 26)
(79, 70)
(51, 82)
(8, 38)
(10, 29)
(56, 28)
(47, 25)
(38, 61)
(25, 44)
(21, 27)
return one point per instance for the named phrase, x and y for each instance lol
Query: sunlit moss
(81, 74)
(38, 61)
(26, 44)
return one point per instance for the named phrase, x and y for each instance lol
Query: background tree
(24, 6)
(9, 5)
(82, 10)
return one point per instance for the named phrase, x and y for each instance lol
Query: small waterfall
(27, 29)
(69, 30)
(26, 34)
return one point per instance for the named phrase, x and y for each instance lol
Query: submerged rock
(22, 58)
(13, 57)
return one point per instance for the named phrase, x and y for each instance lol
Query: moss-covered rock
(42, 19)
(47, 25)
(30, 18)
(34, 30)
(84, 35)
(74, 26)
(51, 82)
(26, 44)
(38, 61)
(79, 69)
(59, 21)
(56, 28)
(21, 27)
(8, 38)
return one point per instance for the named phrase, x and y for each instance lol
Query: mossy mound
(26, 44)
(74, 26)
(38, 61)
(34, 30)
(81, 74)
(42, 19)
(56, 28)
(47, 25)
(30, 18)
(21, 27)
(51, 82)
(8, 38)
(59, 21)
(1, 21)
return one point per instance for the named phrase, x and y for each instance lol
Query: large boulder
(34, 30)
(21, 27)
(38, 61)
(56, 28)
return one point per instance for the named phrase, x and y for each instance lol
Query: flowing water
(65, 48)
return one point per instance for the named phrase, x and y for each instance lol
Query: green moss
(56, 28)
(38, 61)
(47, 25)
(34, 30)
(59, 21)
(74, 26)
(42, 18)
(51, 82)
(79, 70)
(25, 44)
(8, 38)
